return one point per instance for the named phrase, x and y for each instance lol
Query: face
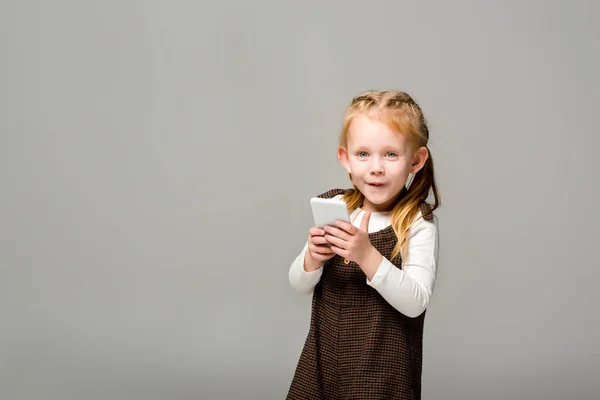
(379, 161)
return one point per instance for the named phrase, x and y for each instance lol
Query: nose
(376, 167)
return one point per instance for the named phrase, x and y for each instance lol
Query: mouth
(375, 184)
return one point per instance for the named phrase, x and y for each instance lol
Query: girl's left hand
(349, 241)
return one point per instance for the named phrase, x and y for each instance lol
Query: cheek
(357, 167)
(400, 170)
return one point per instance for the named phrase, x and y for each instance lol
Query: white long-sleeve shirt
(408, 290)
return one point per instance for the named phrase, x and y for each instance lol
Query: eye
(361, 154)
(392, 154)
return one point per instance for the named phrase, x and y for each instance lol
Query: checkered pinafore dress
(358, 346)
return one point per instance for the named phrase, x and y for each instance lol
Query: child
(371, 280)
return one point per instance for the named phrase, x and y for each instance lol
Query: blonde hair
(402, 114)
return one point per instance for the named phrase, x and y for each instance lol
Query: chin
(378, 199)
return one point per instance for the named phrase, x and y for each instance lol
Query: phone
(327, 211)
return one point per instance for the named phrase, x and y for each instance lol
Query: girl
(372, 279)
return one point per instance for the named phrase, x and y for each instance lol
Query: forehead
(371, 131)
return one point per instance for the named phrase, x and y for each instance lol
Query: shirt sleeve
(409, 290)
(301, 281)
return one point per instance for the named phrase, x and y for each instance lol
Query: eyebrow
(389, 148)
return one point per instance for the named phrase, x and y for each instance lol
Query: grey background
(157, 158)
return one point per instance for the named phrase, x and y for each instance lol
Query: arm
(302, 281)
(409, 290)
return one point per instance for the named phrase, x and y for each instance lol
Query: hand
(349, 241)
(318, 249)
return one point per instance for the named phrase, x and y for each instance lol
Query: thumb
(364, 224)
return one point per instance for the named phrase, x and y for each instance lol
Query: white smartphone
(327, 211)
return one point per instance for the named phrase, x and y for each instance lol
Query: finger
(315, 231)
(336, 242)
(347, 226)
(323, 250)
(319, 240)
(339, 251)
(320, 248)
(337, 232)
(364, 224)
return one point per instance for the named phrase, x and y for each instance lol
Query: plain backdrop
(156, 164)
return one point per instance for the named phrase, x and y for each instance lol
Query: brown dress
(358, 346)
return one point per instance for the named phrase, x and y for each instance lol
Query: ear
(419, 159)
(343, 157)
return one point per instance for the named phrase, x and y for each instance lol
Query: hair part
(402, 114)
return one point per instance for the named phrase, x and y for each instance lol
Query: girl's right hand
(318, 249)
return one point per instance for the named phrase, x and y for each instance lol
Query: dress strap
(426, 211)
(332, 193)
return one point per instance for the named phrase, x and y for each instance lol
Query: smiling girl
(372, 279)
